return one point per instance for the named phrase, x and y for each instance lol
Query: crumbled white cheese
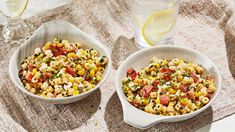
(44, 85)
(66, 87)
(80, 85)
(48, 53)
(43, 66)
(37, 51)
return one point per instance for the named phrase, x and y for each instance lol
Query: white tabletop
(37, 6)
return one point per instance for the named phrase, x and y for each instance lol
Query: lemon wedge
(157, 25)
(16, 7)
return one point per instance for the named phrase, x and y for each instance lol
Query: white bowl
(47, 32)
(140, 59)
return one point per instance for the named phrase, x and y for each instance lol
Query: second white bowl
(140, 59)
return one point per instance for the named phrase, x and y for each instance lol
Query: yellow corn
(197, 94)
(71, 55)
(75, 88)
(171, 104)
(75, 92)
(164, 62)
(157, 101)
(190, 64)
(70, 79)
(171, 91)
(98, 78)
(145, 101)
(47, 46)
(34, 71)
(92, 73)
(95, 69)
(81, 72)
(83, 52)
(158, 65)
(180, 78)
(184, 101)
(59, 45)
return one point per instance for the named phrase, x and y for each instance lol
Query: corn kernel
(145, 101)
(172, 91)
(158, 65)
(98, 78)
(75, 87)
(83, 52)
(180, 78)
(190, 64)
(81, 72)
(92, 73)
(34, 71)
(184, 101)
(59, 45)
(71, 55)
(171, 104)
(75, 92)
(164, 62)
(70, 79)
(197, 94)
(47, 46)
(78, 66)
(157, 101)
(95, 69)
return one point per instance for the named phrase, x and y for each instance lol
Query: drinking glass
(154, 21)
(15, 29)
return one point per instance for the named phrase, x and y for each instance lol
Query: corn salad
(62, 69)
(168, 88)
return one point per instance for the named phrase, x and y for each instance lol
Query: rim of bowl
(105, 75)
(123, 97)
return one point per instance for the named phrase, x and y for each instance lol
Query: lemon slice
(16, 7)
(157, 25)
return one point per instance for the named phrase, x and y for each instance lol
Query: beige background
(205, 32)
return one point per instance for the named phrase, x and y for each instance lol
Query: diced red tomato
(145, 92)
(195, 78)
(132, 73)
(183, 88)
(70, 71)
(155, 83)
(47, 75)
(167, 78)
(21, 72)
(136, 104)
(87, 78)
(30, 68)
(190, 94)
(29, 77)
(56, 51)
(166, 70)
(164, 99)
(208, 95)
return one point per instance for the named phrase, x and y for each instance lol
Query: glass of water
(154, 21)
